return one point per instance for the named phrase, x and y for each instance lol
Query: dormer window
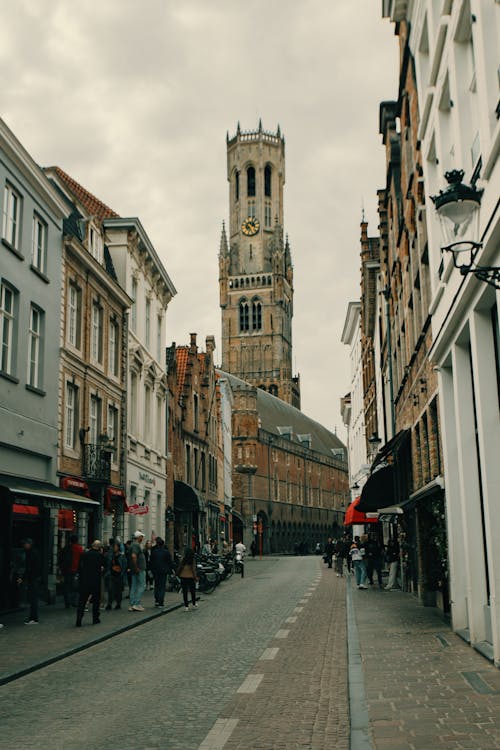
(95, 243)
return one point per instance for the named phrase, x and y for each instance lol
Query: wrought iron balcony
(97, 463)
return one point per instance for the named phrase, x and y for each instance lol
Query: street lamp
(457, 207)
(374, 441)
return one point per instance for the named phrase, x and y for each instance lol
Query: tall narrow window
(251, 209)
(96, 333)
(95, 244)
(159, 423)
(148, 322)
(256, 316)
(196, 415)
(251, 182)
(7, 329)
(71, 415)
(237, 186)
(203, 471)
(113, 348)
(34, 348)
(39, 244)
(11, 216)
(95, 419)
(267, 180)
(133, 307)
(244, 316)
(159, 353)
(74, 315)
(112, 429)
(267, 214)
(196, 467)
(188, 464)
(147, 414)
(133, 402)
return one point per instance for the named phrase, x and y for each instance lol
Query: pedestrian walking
(30, 576)
(356, 554)
(253, 548)
(339, 558)
(161, 566)
(117, 571)
(149, 574)
(187, 574)
(138, 573)
(392, 558)
(90, 572)
(329, 550)
(373, 557)
(69, 559)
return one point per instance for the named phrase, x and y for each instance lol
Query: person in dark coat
(90, 573)
(30, 577)
(161, 565)
(329, 550)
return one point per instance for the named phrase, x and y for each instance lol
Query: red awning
(26, 510)
(353, 515)
(114, 495)
(75, 485)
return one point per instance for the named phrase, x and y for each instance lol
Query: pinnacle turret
(224, 249)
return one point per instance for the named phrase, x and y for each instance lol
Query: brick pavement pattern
(302, 700)
(426, 689)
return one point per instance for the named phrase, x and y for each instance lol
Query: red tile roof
(182, 356)
(93, 205)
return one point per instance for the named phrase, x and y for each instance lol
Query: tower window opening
(256, 316)
(251, 181)
(251, 209)
(237, 186)
(267, 180)
(244, 316)
(247, 281)
(267, 214)
(236, 284)
(258, 280)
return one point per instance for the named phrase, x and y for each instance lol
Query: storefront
(189, 516)
(45, 513)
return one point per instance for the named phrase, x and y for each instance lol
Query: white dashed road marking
(298, 609)
(282, 634)
(219, 734)
(268, 654)
(251, 683)
(291, 619)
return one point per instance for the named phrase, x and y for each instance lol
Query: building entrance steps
(25, 649)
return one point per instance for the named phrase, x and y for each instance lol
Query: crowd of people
(365, 557)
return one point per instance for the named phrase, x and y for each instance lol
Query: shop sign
(138, 509)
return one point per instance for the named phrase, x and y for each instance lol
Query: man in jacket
(329, 550)
(138, 569)
(161, 566)
(90, 573)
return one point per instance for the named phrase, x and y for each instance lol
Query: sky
(134, 99)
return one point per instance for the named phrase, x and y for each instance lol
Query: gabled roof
(275, 414)
(90, 203)
(182, 356)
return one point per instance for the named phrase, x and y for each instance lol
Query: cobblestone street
(262, 664)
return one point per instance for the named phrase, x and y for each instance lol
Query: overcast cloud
(133, 100)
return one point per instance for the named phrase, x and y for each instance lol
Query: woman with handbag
(187, 574)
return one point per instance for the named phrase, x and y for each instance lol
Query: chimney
(193, 345)
(210, 344)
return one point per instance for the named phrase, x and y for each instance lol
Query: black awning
(379, 490)
(392, 447)
(51, 495)
(186, 498)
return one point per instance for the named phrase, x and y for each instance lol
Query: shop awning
(115, 495)
(52, 496)
(186, 498)
(378, 490)
(354, 516)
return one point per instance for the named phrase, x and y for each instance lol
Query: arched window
(273, 389)
(236, 284)
(267, 181)
(237, 185)
(244, 316)
(256, 315)
(251, 181)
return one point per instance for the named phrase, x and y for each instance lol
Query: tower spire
(224, 250)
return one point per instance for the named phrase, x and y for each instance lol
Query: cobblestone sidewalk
(426, 689)
(24, 648)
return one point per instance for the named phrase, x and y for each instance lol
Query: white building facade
(143, 275)
(456, 50)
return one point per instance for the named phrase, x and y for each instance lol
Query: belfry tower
(255, 267)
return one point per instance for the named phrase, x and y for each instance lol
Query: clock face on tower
(250, 226)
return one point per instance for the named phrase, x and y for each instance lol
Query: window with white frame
(7, 325)
(113, 347)
(96, 333)
(133, 402)
(159, 423)
(11, 216)
(147, 414)
(159, 347)
(95, 419)
(35, 351)
(74, 315)
(95, 243)
(39, 244)
(133, 307)
(112, 429)
(71, 415)
(148, 322)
